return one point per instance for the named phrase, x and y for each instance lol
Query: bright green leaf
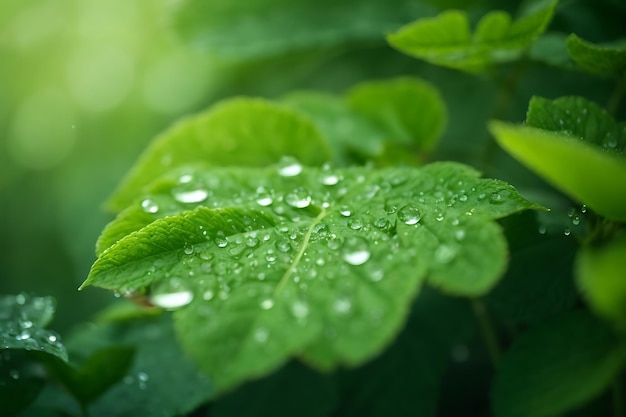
(312, 262)
(265, 28)
(600, 273)
(22, 321)
(239, 132)
(447, 39)
(556, 367)
(605, 61)
(409, 111)
(580, 118)
(583, 171)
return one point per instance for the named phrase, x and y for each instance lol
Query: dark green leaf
(20, 381)
(319, 268)
(239, 132)
(605, 61)
(22, 321)
(556, 367)
(551, 48)
(447, 40)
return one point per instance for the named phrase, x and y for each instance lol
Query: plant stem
(490, 338)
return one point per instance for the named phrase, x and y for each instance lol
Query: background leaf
(581, 170)
(447, 40)
(556, 367)
(600, 277)
(605, 61)
(240, 132)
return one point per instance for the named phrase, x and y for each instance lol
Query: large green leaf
(605, 61)
(600, 273)
(588, 174)
(314, 262)
(262, 28)
(556, 367)
(447, 39)
(239, 132)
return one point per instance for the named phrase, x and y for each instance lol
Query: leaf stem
(487, 329)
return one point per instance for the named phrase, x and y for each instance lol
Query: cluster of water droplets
(139, 379)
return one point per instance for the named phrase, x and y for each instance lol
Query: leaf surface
(237, 132)
(605, 61)
(447, 39)
(324, 267)
(583, 171)
(556, 367)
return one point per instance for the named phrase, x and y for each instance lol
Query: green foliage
(447, 39)
(337, 234)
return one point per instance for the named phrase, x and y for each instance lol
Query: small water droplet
(267, 304)
(221, 242)
(289, 167)
(14, 373)
(409, 214)
(142, 376)
(261, 335)
(345, 211)
(52, 338)
(459, 234)
(499, 197)
(330, 179)
(149, 206)
(342, 305)
(283, 245)
(188, 250)
(24, 335)
(377, 275)
(193, 196)
(172, 300)
(208, 295)
(300, 309)
(542, 230)
(264, 200)
(356, 251)
(445, 253)
(567, 231)
(299, 198)
(382, 223)
(575, 220)
(583, 209)
(355, 224)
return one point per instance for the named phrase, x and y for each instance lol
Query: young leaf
(600, 274)
(447, 40)
(319, 269)
(605, 61)
(239, 132)
(556, 367)
(266, 28)
(583, 171)
(410, 111)
(22, 321)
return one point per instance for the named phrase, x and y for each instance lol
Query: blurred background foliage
(85, 84)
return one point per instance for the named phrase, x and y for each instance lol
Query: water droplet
(264, 200)
(542, 230)
(283, 245)
(221, 242)
(267, 304)
(439, 216)
(377, 275)
(149, 206)
(299, 198)
(445, 253)
(583, 209)
(382, 223)
(499, 197)
(330, 179)
(193, 196)
(567, 231)
(14, 373)
(172, 300)
(342, 305)
(300, 309)
(252, 242)
(575, 220)
(142, 376)
(261, 335)
(23, 335)
(409, 214)
(52, 338)
(345, 211)
(355, 224)
(289, 167)
(188, 250)
(459, 234)
(356, 251)
(208, 295)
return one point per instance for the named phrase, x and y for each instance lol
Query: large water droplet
(193, 196)
(356, 251)
(264, 200)
(409, 214)
(330, 179)
(289, 167)
(267, 304)
(149, 206)
(172, 300)
(345, 211)
(355, 224)
(298, 198)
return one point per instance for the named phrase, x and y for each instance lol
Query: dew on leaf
(345, 211)
(188, 250)
(299, 198)
(185, 179)
(382, 223)
(264, 200)
(283, 245)
(149, 206)
(300, 309)
(445, 253)
(252, 242)
(208, 295)
(267, 304)
(14, 373)
(567, 231)
(499, 197)
(377, 275)
(356, 250)
(409, 214)
(221, 242)
(330, 179)
(355, 224)
(342, 305)
(192, 196)
(289, 167)
(261, 335)
(172, 300)
(459, 234)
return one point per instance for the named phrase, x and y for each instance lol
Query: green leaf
(556, 367)
(600, 274)
(319, 269)
(292, 390)
(96, 374)
(578, 117)
(605, 61)
(581, 170)
(447, 39)
(265, 28)
(20, 381)
(551, 48)
(22, 321)
(410, 111)
(239, 132)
